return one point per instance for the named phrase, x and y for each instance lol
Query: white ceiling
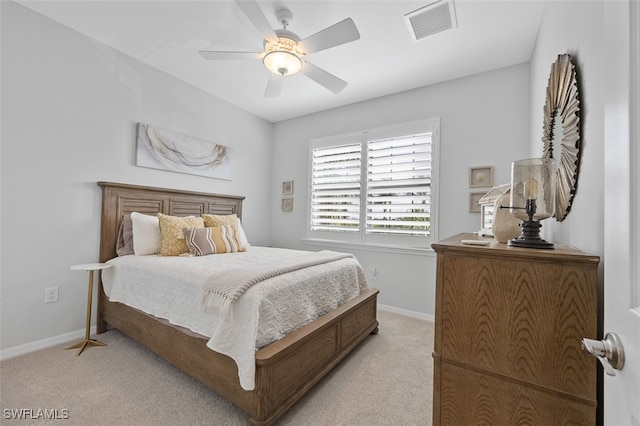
(168, 35)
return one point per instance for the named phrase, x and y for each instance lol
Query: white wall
(484, 121)
(69, 112)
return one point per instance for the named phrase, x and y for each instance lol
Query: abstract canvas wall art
(166, 150)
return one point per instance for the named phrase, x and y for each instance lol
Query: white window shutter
(375, 187)
(335, 188)
(399, 186)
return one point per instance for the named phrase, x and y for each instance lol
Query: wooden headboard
(119, 199)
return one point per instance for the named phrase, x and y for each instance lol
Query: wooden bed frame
(285, 370)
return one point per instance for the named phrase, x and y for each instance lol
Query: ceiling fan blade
(335, 35)
(257, 18)
(274, 86)
(323, 78)
(225, 56)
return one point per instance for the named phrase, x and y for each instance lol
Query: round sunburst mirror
(561, 131)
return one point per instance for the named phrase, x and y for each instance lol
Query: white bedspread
(172, 288)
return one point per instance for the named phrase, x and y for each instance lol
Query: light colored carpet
(387, 380)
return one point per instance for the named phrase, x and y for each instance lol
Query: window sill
(416, 251)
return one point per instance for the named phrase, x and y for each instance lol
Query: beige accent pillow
(172, 242)
(213, 220)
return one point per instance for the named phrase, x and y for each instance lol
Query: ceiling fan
(284, 51)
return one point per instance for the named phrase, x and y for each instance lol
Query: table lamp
(532, 199)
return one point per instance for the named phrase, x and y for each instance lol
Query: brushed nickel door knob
(609, 351)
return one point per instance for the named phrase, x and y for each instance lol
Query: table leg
(87, 340)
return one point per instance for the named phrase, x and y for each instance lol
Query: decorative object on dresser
(495, 220)
(87, 340)
(561, 137)
(505, 226)
(284, 370)
(508, 326)
(532, 199)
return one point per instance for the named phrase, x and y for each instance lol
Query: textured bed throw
(222, 289)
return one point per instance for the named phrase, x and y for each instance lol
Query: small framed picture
(474, 197)
(480, 176)
(287, 187)
(287, 204)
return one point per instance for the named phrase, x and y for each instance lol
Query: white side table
(89, 267)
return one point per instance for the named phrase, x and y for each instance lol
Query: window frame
(362, 238)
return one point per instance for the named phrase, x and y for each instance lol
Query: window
(375, 187)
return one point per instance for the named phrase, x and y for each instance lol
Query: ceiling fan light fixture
(284, 50)
(282, 58)
(282, 62)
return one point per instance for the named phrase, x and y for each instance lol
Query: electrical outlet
(374, 273)
(50, 294)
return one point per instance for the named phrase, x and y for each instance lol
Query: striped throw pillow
(211, 240)
(229, 220)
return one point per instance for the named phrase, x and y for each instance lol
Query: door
(622, 206)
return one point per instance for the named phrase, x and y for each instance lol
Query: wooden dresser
(507, 335)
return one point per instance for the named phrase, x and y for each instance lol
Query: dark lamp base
(530, 236)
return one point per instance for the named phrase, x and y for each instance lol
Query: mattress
(172, 288)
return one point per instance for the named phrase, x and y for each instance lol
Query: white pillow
(146, 234)
(244, 242)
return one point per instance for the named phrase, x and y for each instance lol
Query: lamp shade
(533, 179)
(282, 62)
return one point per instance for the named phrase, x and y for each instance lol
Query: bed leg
(101, 326)
(375, 331)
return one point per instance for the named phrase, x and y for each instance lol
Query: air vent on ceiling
(431, 19)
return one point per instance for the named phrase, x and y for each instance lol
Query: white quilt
(172, 288)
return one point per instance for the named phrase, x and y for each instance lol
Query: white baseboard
(406, 312)
(44, 343)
